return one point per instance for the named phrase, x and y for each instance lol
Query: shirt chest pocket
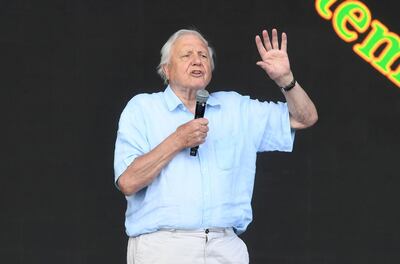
(226, 153)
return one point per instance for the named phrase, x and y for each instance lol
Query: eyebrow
(190, 51)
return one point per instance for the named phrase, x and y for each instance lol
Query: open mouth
(196, 73)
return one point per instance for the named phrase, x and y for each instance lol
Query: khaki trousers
(203, 246)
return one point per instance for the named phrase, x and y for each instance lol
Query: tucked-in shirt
(213, 188)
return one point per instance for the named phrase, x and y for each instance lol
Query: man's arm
(302, 110)
(275, 62)
(144, 169)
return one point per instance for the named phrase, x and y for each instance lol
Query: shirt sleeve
(270, 124)
(131, 139)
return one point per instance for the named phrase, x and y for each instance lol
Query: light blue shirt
(214, 188)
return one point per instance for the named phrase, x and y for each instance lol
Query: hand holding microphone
(194, 133)
(201, 99)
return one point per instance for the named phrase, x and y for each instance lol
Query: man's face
(190, 64)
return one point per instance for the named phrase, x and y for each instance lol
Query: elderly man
(189, 209)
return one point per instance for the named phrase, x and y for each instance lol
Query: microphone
(201, 99)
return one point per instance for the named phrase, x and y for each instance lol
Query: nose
(196, 59)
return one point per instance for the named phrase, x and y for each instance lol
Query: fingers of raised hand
(260, 47)
(271, 43)
(267, 44)
(284, 42)
(263, 65)
(267, 41)
(275, 42)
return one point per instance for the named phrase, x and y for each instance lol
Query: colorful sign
(381, 48)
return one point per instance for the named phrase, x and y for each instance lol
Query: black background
(69, 67)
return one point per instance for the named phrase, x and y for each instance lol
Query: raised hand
(274, 59)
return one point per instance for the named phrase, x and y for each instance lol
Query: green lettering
(378, 36)
(356, 14)
(323, 6)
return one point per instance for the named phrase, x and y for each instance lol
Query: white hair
(166, 50)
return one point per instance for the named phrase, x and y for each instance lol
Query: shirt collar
(173, 101)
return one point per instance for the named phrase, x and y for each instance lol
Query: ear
(166, 70)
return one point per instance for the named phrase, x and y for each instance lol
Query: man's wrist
(176, 141)
(289, 87)
(284, 80)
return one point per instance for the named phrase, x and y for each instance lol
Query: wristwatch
(289, 86)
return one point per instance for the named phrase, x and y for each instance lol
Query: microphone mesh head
(202, 96)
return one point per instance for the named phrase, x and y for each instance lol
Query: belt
(200, 230)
